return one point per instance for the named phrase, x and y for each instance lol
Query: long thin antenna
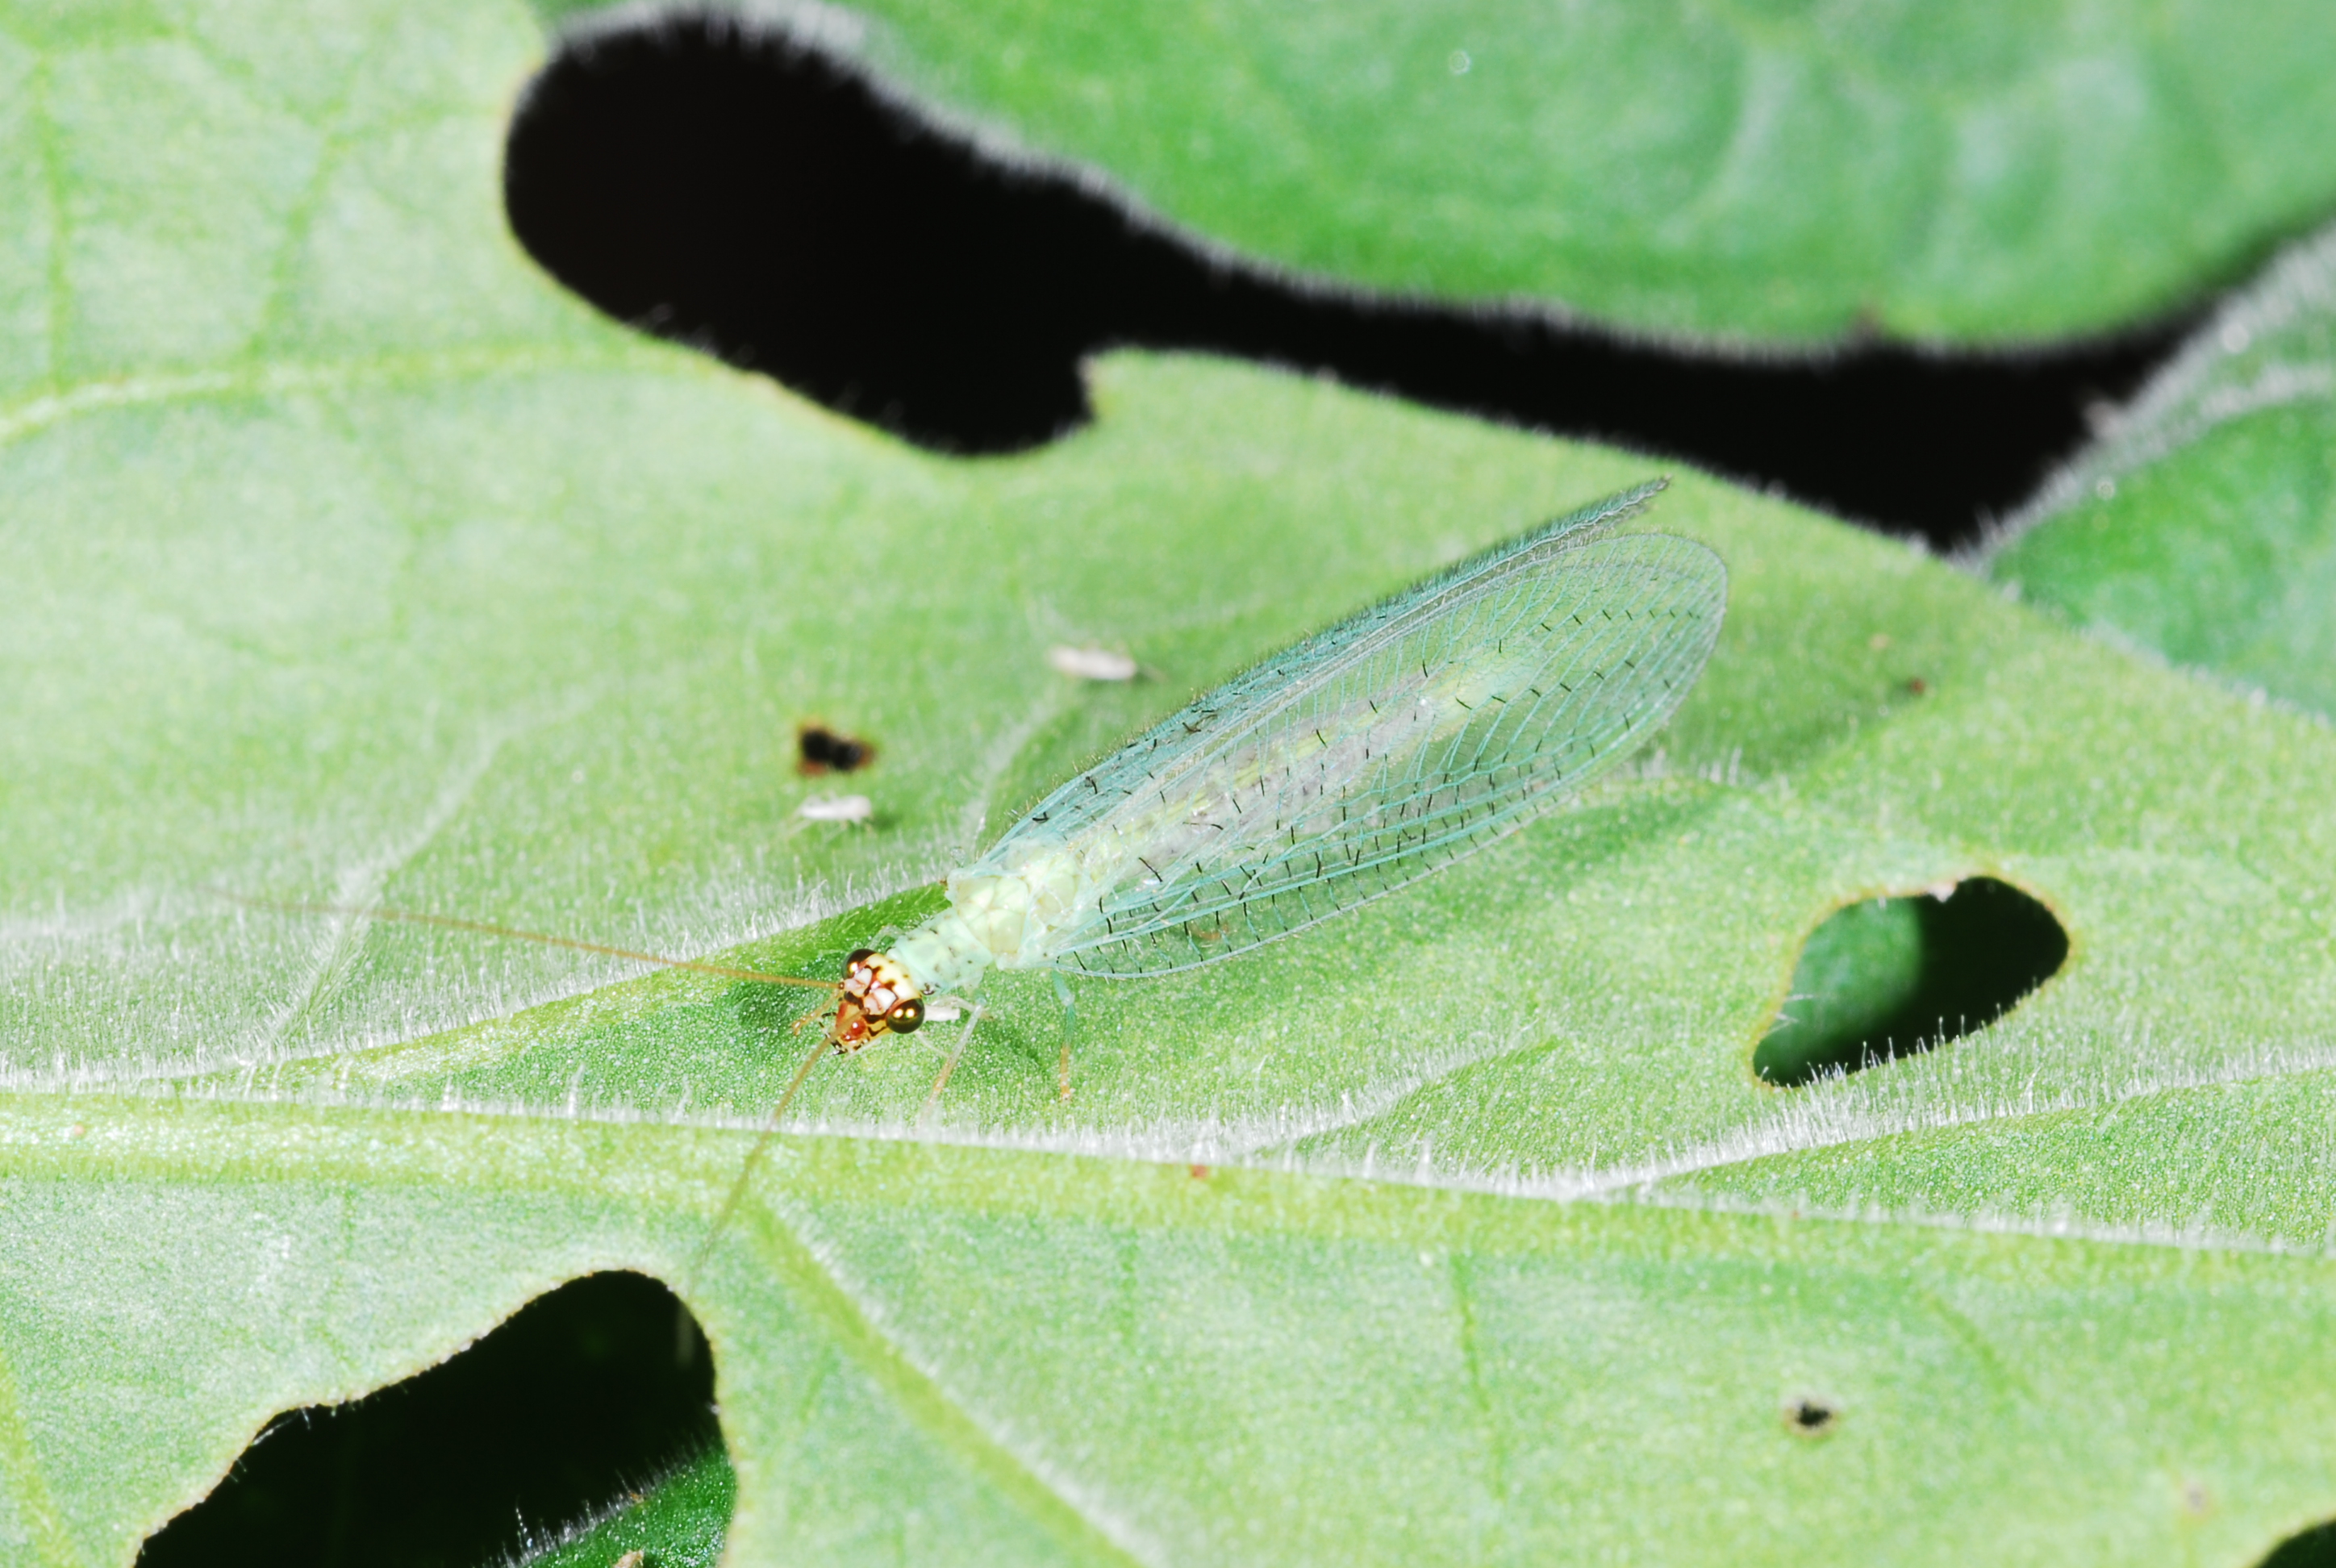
(454, 923)
(753, 1158)
(487, 928)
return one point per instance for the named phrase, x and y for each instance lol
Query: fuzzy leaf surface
(2202, 524)
(349, 562)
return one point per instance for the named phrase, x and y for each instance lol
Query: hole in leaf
(1811, 1417)
(721, 185)
(2311, 1548)
(1892, 976)
(589, 1394)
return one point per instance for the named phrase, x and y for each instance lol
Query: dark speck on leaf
(823, 750)
(1811, 1417)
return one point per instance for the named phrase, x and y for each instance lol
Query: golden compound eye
(905, 1016)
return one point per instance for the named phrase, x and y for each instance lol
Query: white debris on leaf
(837, 808)
(1091, 663)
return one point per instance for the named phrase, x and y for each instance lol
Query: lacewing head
(878, 997)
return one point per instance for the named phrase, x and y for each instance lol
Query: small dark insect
(1810, 1418)
(1916, 685)
(823, 750)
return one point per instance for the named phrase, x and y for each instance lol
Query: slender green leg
(1070, 1026)
(933, 1101)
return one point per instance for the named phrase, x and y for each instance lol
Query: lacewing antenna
(486, 928)
(747, 1167)
(770, 1131)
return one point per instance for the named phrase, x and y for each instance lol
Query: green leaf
(679, 1521)
(348, 562)
(1986, 173)
(1857, 970)
(2202, 525)
(990, 1355)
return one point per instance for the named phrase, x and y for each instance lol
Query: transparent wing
(1380, 750)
